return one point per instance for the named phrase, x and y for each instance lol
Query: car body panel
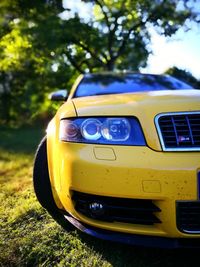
(53, 148)
(131, 172)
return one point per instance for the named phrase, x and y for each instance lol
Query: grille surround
(176, 116)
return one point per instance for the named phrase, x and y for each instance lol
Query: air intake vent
(111, 209)
(188, 216)
(179, 131)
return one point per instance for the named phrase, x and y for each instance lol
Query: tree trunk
(110, 65)
(5, 99)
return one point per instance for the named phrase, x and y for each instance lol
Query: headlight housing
(102, 130)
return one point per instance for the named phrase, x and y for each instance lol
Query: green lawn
(30, 237)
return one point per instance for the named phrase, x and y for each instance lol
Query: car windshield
(103, 84)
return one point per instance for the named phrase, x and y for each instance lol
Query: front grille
(136, 211)
(179, 131)
(188, 216)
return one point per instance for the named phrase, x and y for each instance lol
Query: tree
(27, 55)
(118, 33)
(185, 76)
(43, 46)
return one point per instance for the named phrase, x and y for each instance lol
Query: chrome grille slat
(175, 131)
(179, 131)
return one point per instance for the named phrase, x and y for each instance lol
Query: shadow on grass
(31, 215)
(23, 140)
(120, 255)
(61, 243)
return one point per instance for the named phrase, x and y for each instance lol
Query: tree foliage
(119, 32)
(185, 76)
(44, 44)
(27, 54)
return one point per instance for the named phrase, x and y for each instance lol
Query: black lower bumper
(132, 239)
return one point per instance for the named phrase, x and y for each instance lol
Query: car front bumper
(164, 178)
(132, 239)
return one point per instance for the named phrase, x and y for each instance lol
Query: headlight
(115, 130)
(91, 129)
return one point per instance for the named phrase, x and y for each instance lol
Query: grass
(30, 237)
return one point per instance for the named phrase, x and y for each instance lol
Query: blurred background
(46, 44)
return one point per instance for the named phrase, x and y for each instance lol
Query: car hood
(145, 106)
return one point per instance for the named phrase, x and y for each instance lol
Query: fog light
(96, 208)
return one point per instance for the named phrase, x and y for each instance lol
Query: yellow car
(121, 159)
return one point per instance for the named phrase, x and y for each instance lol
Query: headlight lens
(69, 130)
(91, 129)
(116, 130)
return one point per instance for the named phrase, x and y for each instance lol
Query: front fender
(53, 149)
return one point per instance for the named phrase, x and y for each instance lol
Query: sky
(182, 50)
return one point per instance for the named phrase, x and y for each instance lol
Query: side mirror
(60, 95)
